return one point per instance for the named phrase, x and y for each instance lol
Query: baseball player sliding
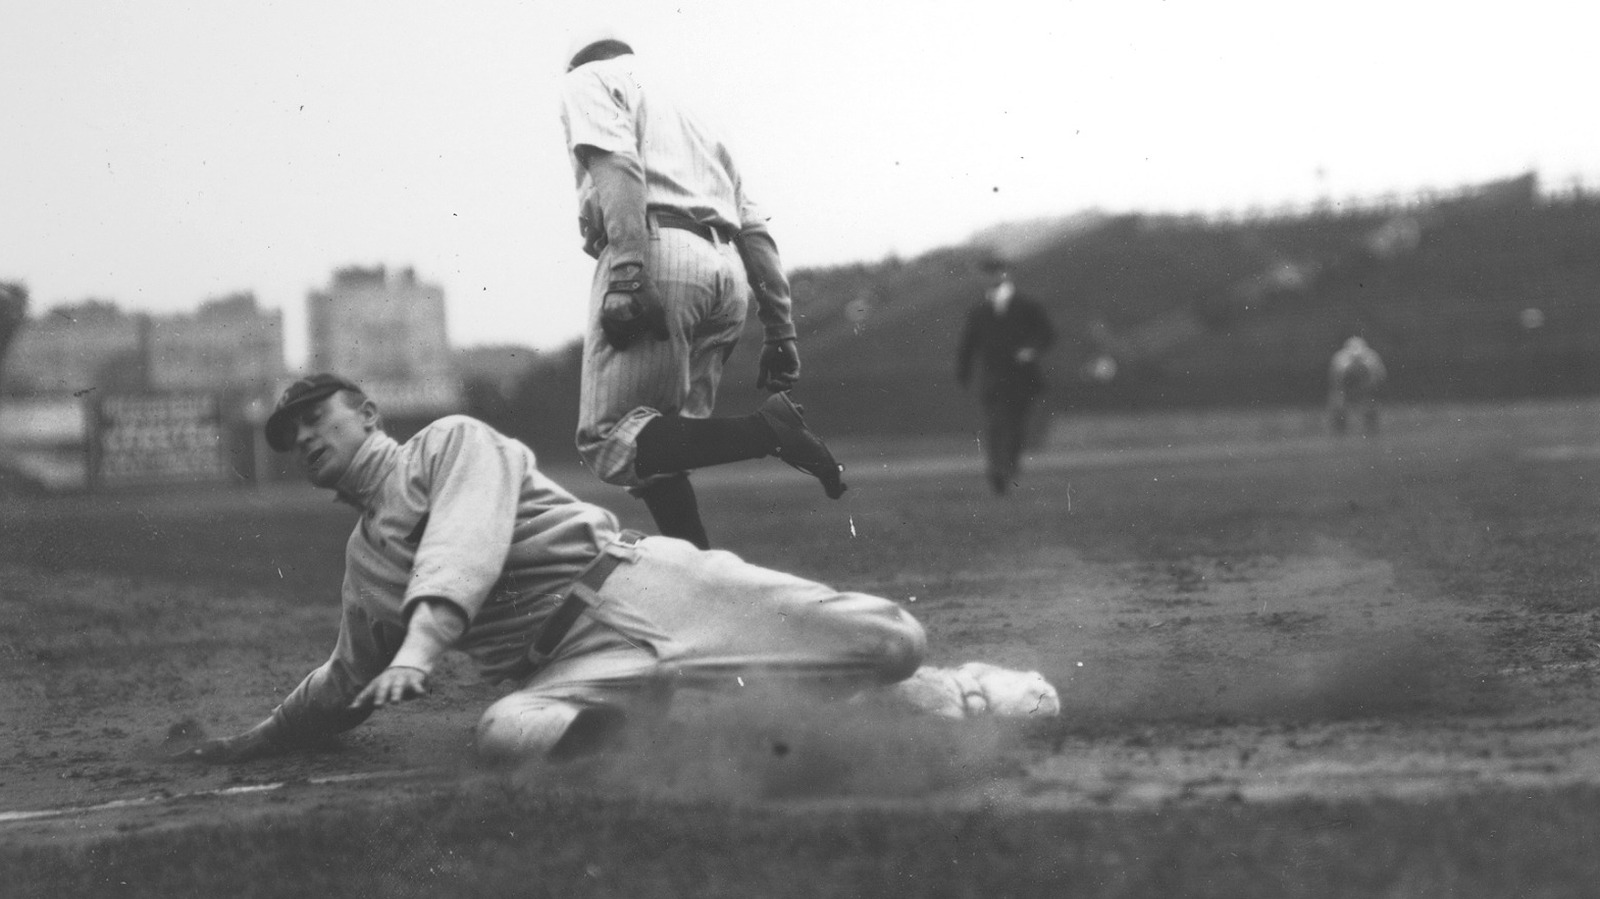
(680, 248)
(463, 544)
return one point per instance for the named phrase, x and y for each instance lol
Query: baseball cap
(302, 393)
(584, 38)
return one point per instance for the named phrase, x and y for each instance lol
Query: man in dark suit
(1008, 332)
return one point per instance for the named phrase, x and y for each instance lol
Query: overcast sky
(160, 152)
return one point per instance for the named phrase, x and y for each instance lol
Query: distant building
(229, 343)
(67, 349)
(386, 332)
(501, 365)
(101, 398)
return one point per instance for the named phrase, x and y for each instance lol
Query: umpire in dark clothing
(1008, 332)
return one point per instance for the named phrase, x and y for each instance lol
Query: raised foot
(798, 446)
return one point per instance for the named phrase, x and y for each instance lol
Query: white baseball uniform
(1354, 375)
(462, 513)
(615, 106)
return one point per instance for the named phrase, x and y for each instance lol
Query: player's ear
(370, 419)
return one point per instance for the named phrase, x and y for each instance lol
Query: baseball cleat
(977, 689)
(798, 446)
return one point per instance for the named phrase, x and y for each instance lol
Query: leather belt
(708, 233)
(581, 595)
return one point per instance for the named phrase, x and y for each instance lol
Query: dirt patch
(1223, 629)
(1247, 680)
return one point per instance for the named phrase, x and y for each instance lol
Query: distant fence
(172, 438)
(45, 440)
(169, 439)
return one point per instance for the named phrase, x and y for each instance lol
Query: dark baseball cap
(297, 396)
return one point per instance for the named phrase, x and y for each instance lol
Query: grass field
(1290, 666)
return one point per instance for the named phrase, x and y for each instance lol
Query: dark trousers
(1005, 412)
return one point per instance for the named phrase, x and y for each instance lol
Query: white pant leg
(595, 669)
(711, 617)
(676, 616)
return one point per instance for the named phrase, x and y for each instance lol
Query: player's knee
(519, 727)
(902, 645)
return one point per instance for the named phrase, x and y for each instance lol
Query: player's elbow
(589, 154)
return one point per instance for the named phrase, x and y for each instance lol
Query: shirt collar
(373, 462)
(1000, 295)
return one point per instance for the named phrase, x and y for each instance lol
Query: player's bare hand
(251, 744)
(780, 366)
(213, 752)
(594, 239)
(393, 685)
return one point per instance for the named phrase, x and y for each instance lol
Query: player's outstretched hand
(252, 744)
(394, 684)
(780, 365)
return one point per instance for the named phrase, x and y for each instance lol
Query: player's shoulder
(618, 73)
(455, 427)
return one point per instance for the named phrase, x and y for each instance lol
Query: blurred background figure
(1354, 376)
(1007, 333)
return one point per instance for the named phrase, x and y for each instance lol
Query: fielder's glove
(594, 239)
(632, 309)
(779, 366)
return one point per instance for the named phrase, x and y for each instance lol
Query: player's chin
(321, 474)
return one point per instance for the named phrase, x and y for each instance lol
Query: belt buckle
(625, 546)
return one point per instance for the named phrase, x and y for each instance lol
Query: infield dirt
(1238, 611)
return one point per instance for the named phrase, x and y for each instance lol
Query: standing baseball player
(462, 543)
(1007, 332)
(1354, 375)
(680, 249)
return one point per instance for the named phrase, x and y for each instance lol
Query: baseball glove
(632, 309)
(780, 365)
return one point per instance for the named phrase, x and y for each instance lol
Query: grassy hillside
(1205, 312)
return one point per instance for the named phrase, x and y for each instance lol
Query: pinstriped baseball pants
(706, 295)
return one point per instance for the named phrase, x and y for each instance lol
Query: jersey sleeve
(474, 485)
(599, 112)
(320, 705)
(752, 215)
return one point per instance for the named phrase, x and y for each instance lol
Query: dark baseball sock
(673, 443)
(672, 504)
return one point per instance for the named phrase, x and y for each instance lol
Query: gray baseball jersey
(461, 512)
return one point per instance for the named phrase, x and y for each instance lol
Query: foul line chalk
(37, 814)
